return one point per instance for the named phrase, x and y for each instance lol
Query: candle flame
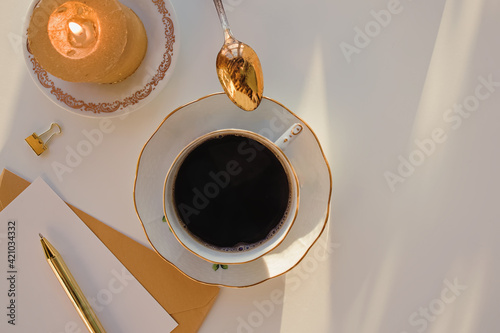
(75, 28)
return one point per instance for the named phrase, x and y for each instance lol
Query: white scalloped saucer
(112, 100)
(216, 112)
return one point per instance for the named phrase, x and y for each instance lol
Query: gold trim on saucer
(313, 241)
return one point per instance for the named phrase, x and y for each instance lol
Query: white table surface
(414, 256)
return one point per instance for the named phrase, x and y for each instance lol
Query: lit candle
(81, 35)
(99, 41)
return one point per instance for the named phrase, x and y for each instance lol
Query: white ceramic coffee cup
(244, 253)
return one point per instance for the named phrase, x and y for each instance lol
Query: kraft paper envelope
(187, 301)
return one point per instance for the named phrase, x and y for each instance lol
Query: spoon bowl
(238, 68)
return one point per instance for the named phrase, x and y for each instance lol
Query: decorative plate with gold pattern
(215, 112)
(111, 100)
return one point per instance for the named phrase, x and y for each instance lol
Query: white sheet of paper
(31, 298)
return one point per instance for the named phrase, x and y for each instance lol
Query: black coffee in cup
(231, 192)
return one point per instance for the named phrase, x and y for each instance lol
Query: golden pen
(71, 287)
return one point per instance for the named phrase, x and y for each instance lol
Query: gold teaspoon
(238, 68)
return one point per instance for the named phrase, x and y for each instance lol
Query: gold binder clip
(39, 142)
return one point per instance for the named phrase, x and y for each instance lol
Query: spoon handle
(222, 17)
